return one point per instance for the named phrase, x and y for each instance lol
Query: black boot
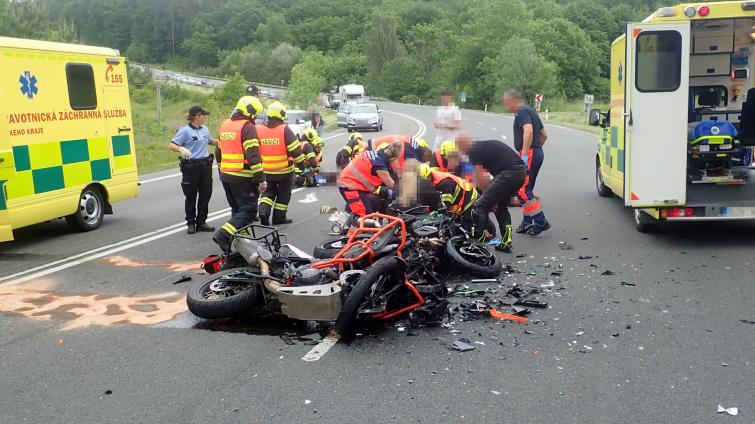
(191, 229)
(264, 219)
(205, 228)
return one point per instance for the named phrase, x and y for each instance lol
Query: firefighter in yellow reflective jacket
(238, 156)
(445, 158)
(277, 144)
(311, 146)
(352, 149)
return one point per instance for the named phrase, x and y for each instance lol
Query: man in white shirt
(447, 118)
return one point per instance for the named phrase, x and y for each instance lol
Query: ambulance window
(659, 61)
(81, 91)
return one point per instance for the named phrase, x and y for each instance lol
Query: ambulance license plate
(705, 148)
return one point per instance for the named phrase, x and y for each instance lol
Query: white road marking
(178, 174)
(503, 136)
(422, 128)
(100, 252)
(321, 349)
(493, 128)
(479, 123)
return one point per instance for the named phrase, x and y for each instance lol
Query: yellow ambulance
(678, 138)
(66, 140)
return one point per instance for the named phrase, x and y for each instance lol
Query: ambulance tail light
(678, 213)
(703, 11)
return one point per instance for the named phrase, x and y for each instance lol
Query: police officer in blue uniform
(192, 142)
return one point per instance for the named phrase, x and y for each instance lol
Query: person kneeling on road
(367, 183)
(353, 148)
(456, 195)
(446, 158)
(307, 176)
(509, 172)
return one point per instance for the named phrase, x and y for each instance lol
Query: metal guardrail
(206, 77)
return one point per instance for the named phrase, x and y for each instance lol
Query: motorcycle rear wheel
(225, 294)
(473, 258)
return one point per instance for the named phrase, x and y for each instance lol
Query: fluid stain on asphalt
(82, 310)
(124, 262)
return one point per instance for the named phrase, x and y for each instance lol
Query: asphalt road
(97, 333)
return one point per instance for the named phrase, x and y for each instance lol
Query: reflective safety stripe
(460, 203)
(230, 229)
(232, 159)
(439, 159)
(266, 200)
(280, 207)
(293, 146)
(247, 173)
(347, 148)
(532, 208)
(273, 149)
(369, 186)
(251, 143)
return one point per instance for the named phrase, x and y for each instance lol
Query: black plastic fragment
(531, 303)
(184, 278)
(607, 273)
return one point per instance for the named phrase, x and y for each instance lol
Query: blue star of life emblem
(28, 85)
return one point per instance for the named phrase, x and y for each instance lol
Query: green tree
(564, 43)
(519, 66)
(381, 44)
(305, 85)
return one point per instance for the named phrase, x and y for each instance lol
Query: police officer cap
(195, 110)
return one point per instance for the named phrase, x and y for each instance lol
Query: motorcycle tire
(490, 269)
(329, 248)
(223, 307)
(348, 319)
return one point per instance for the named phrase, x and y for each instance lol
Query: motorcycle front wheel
(368, 294)
(225, 294)
(473, 258)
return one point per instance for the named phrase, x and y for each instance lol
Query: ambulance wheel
(644, 222)
(90, 212)
(603, 190)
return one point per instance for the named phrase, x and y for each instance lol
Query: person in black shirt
(508, 172)
(529, 138)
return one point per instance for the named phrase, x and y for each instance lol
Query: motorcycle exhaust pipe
(270, 285)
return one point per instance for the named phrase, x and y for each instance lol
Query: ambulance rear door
(656, 114)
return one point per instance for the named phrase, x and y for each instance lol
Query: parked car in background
(343, 113)
(298, 120)
(364, 116)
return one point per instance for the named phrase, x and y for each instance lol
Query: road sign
(539, 98)
(589, 99)
(463, 96)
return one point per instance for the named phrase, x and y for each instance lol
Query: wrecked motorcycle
(434, 239)
(279, 279)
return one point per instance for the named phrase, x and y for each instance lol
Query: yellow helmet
(423, 143)
(355, 136)
(310, 134)
(276, 110)
(318, 142)
(249, 106)
(424, 171)
(448, 147)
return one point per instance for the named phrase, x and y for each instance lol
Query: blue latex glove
(526, 158)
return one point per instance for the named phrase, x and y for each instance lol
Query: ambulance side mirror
(594, 117)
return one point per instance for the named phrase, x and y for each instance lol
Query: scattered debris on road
(462, 345)
(734, 411)
(184, 278)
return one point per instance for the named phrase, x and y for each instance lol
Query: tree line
(400, 49)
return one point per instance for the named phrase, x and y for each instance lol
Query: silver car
(343, 114)
(367, 116)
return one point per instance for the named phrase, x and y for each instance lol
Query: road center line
(422, 128)
(321, 349)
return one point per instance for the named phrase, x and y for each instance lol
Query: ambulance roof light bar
(748, 5)
(666, 12)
